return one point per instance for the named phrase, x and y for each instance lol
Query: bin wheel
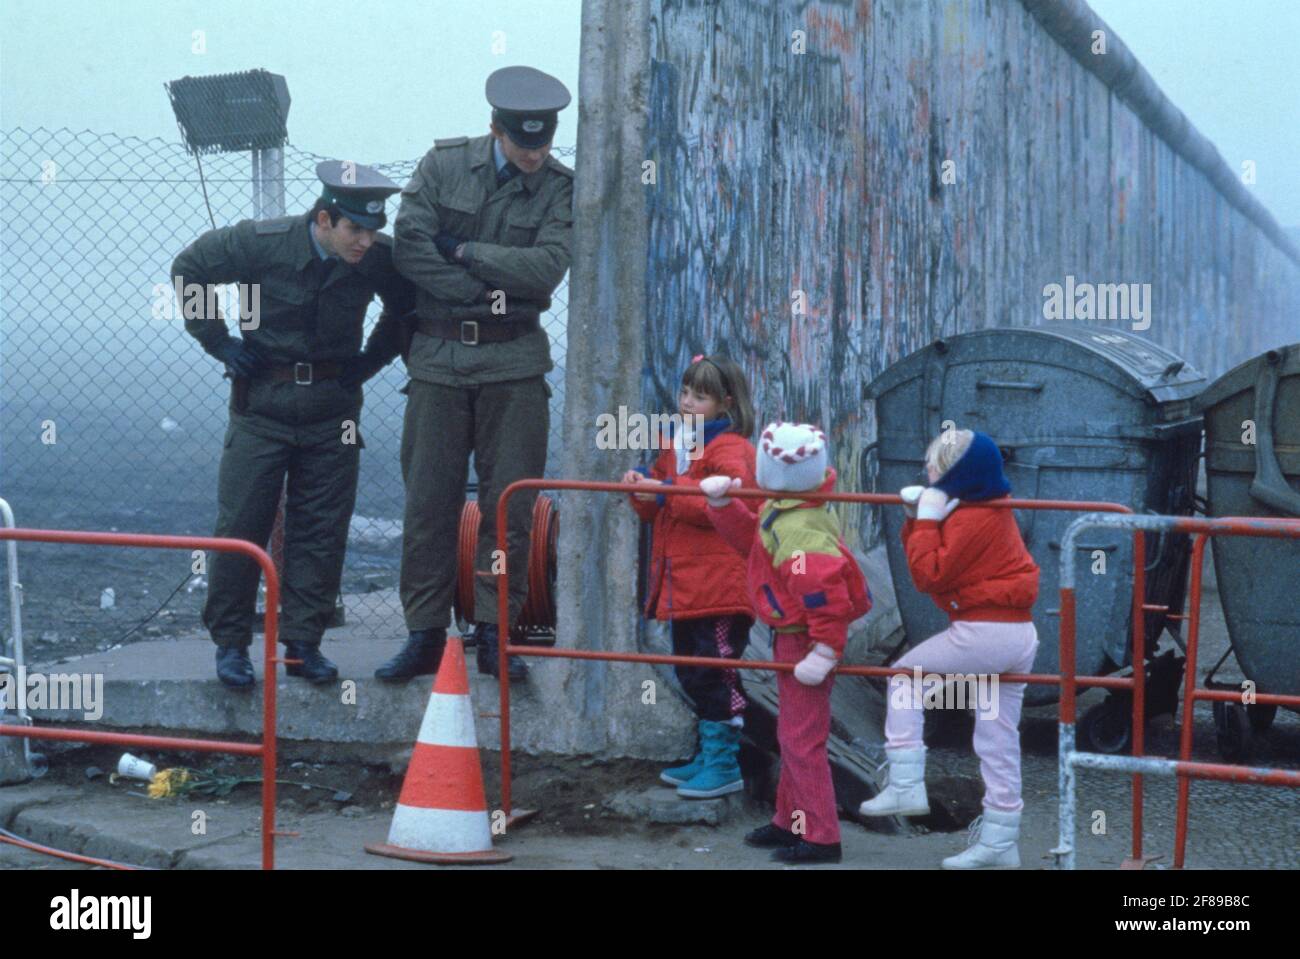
(1107, 727)
(1232, 725)
(1261, 716)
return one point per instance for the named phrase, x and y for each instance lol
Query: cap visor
(366, 221)
(527, 141)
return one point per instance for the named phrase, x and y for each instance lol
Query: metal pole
(1139, 656)
(268, 183)
(1189, 700)
(16, 627)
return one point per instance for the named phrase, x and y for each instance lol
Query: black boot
(234, 668)
(805, 853)
(314, 667)
(419, 657)
(770, 837)
(487, 636)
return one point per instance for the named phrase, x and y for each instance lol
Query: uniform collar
(315, 243)
(307, 250)
(532, 182)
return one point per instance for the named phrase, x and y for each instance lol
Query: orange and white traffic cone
(441, 815)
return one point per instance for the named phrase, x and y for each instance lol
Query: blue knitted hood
(978, 474)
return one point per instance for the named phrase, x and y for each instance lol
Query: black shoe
(419, 657)
(314, 667)
(770, 837)
(486, 652)
(805, 853)
(234, 668)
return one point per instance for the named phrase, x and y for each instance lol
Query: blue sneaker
(720, 745)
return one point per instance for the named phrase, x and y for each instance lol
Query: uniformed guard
(484, 232)
(296, 376)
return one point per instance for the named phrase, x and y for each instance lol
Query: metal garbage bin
(1252, 468)
(1080, 413)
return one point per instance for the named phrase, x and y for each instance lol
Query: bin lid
(1244, 376)
(1146, 366)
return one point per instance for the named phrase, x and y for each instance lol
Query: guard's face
(529, 161)
(344, 239)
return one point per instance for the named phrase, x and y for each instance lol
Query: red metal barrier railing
(266, 749)
(1192, 694)
(1137, 764)
(504, 649)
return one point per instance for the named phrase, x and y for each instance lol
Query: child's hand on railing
(813, 669)
(715, 489)
(934, 504)
(910, 495)
(643, 481)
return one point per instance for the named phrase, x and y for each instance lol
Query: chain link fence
(112, 417)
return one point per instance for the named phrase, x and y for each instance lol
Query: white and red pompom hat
(791, 457)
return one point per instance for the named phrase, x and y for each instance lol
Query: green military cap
(356, 191)
(526, 103)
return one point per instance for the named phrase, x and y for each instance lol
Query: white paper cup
(135, 768)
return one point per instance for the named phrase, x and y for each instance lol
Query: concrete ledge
(171, 686)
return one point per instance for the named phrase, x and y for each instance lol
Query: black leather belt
(474, 332)
(304, 374)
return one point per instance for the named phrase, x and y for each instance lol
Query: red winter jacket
(693, 573)
(801, 575)
(973, 564)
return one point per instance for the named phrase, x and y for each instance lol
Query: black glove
(446, 244)
(242, 358)
(357, 369)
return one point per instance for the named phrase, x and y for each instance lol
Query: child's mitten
(935, 504)
(716, 487)
(814, 668)
(910, 495)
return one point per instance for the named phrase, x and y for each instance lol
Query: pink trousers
(805, 798)
(966, 648)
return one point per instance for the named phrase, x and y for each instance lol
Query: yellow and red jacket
(801, 575)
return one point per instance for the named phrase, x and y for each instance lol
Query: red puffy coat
(973, 564)
(693, 572)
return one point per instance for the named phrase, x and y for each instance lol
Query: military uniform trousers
(505, 426)
(322, 488)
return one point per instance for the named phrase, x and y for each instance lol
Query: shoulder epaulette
(278, 225)
(450, 142)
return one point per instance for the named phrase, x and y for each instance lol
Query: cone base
(484, 858)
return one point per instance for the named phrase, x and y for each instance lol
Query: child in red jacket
(973, 563)
(807, 586)
(696, 581)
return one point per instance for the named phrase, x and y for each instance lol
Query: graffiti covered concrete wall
(838, 182)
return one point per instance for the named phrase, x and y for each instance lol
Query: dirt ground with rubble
(338, 809)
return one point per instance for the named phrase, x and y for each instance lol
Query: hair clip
(697, 357)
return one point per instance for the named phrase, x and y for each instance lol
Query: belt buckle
(474, 325)
(298, 381)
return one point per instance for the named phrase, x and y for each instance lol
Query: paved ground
(1230, 826)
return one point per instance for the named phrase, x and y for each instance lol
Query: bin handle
(1269, 485)
(1008, 385)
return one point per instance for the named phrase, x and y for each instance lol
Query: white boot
(993, 838)
(904, 794)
